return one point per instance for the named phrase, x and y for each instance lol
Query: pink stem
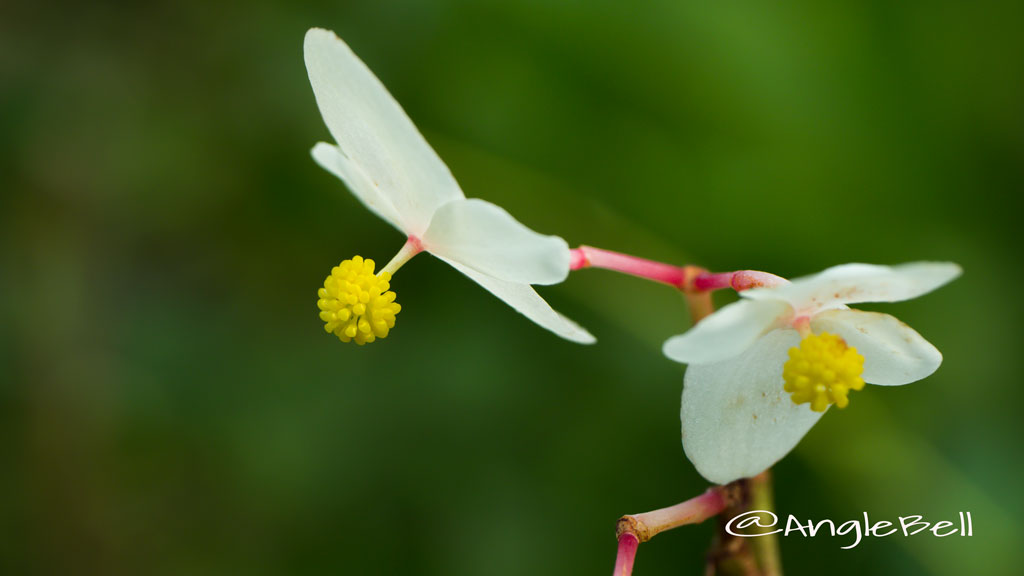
(628, 543)
(636, 528)
(687, 278)
(738, 281)
(587, 257)
(714, 281)
(693, 511)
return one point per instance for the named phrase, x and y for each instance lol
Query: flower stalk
(590, 257)
(693, 511)
(729, 555)
(766, 548)
(628, 543)
(739, 281)
(736, 556)
(689, 279)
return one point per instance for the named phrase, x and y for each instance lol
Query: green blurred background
(170, 403)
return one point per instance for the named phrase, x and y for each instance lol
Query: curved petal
(727, 332)
(851, 283)
(737, 420)
(375, 134)
(527, 302)
(486, 238)
(330, 158)
(894, 354)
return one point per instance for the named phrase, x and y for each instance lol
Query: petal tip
(675, 349)
(953, 269)
(316, 34)
(320, 149)
(585, 338)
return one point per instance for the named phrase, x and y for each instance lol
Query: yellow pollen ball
(355, 304)
(822, 371)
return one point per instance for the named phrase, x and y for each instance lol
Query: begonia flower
(798, 339)
(393, 171)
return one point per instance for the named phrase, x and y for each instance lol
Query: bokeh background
(170, 403)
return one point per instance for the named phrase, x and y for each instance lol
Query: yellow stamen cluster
(355, 304)
(822, 371)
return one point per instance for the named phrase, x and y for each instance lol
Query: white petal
(525, 299)
(331, 159)
(374, 132)
(486, 238)
(727, 332)
(851, 283)
(894, 354)
(737, 420)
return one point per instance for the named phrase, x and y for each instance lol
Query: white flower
(390, 168)
(737, 418)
